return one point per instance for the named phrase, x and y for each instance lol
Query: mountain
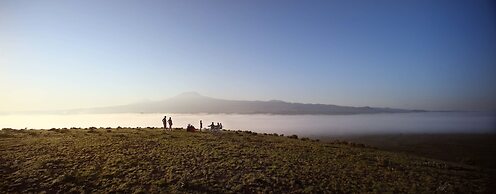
(192, 102)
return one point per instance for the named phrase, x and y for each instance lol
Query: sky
(432, 55)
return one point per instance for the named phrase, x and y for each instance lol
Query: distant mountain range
(192, 102)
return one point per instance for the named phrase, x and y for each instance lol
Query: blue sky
(435, 55)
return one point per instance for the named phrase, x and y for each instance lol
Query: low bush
(8, 129)
(53, 129)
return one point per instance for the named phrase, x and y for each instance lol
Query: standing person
(164, 121)
(170, 123)
(201, 125)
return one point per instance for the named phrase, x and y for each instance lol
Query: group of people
(190, 127)
(164, 120)
(213, 126)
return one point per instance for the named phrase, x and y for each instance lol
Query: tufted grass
(152, 160)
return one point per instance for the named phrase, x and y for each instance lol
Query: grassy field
(470, 149)
(152, 160)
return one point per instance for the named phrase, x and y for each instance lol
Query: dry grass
(151, 160)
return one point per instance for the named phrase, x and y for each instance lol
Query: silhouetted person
(164, 121)
(170, 122)
(220, 125)
(201, 125)
(212, 126)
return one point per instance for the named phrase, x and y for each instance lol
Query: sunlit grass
(153, 160)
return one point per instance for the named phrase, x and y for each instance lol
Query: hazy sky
(430, 54)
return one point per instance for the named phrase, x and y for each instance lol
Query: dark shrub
(293, 137)
(92, 130)
(7, 129)
(305, 139)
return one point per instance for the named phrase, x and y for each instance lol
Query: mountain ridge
(193, 102)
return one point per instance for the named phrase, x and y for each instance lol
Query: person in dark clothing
(201, 125)
(170, 123)
(164, 121)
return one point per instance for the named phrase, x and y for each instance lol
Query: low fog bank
(369, 124)
(303, 125)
